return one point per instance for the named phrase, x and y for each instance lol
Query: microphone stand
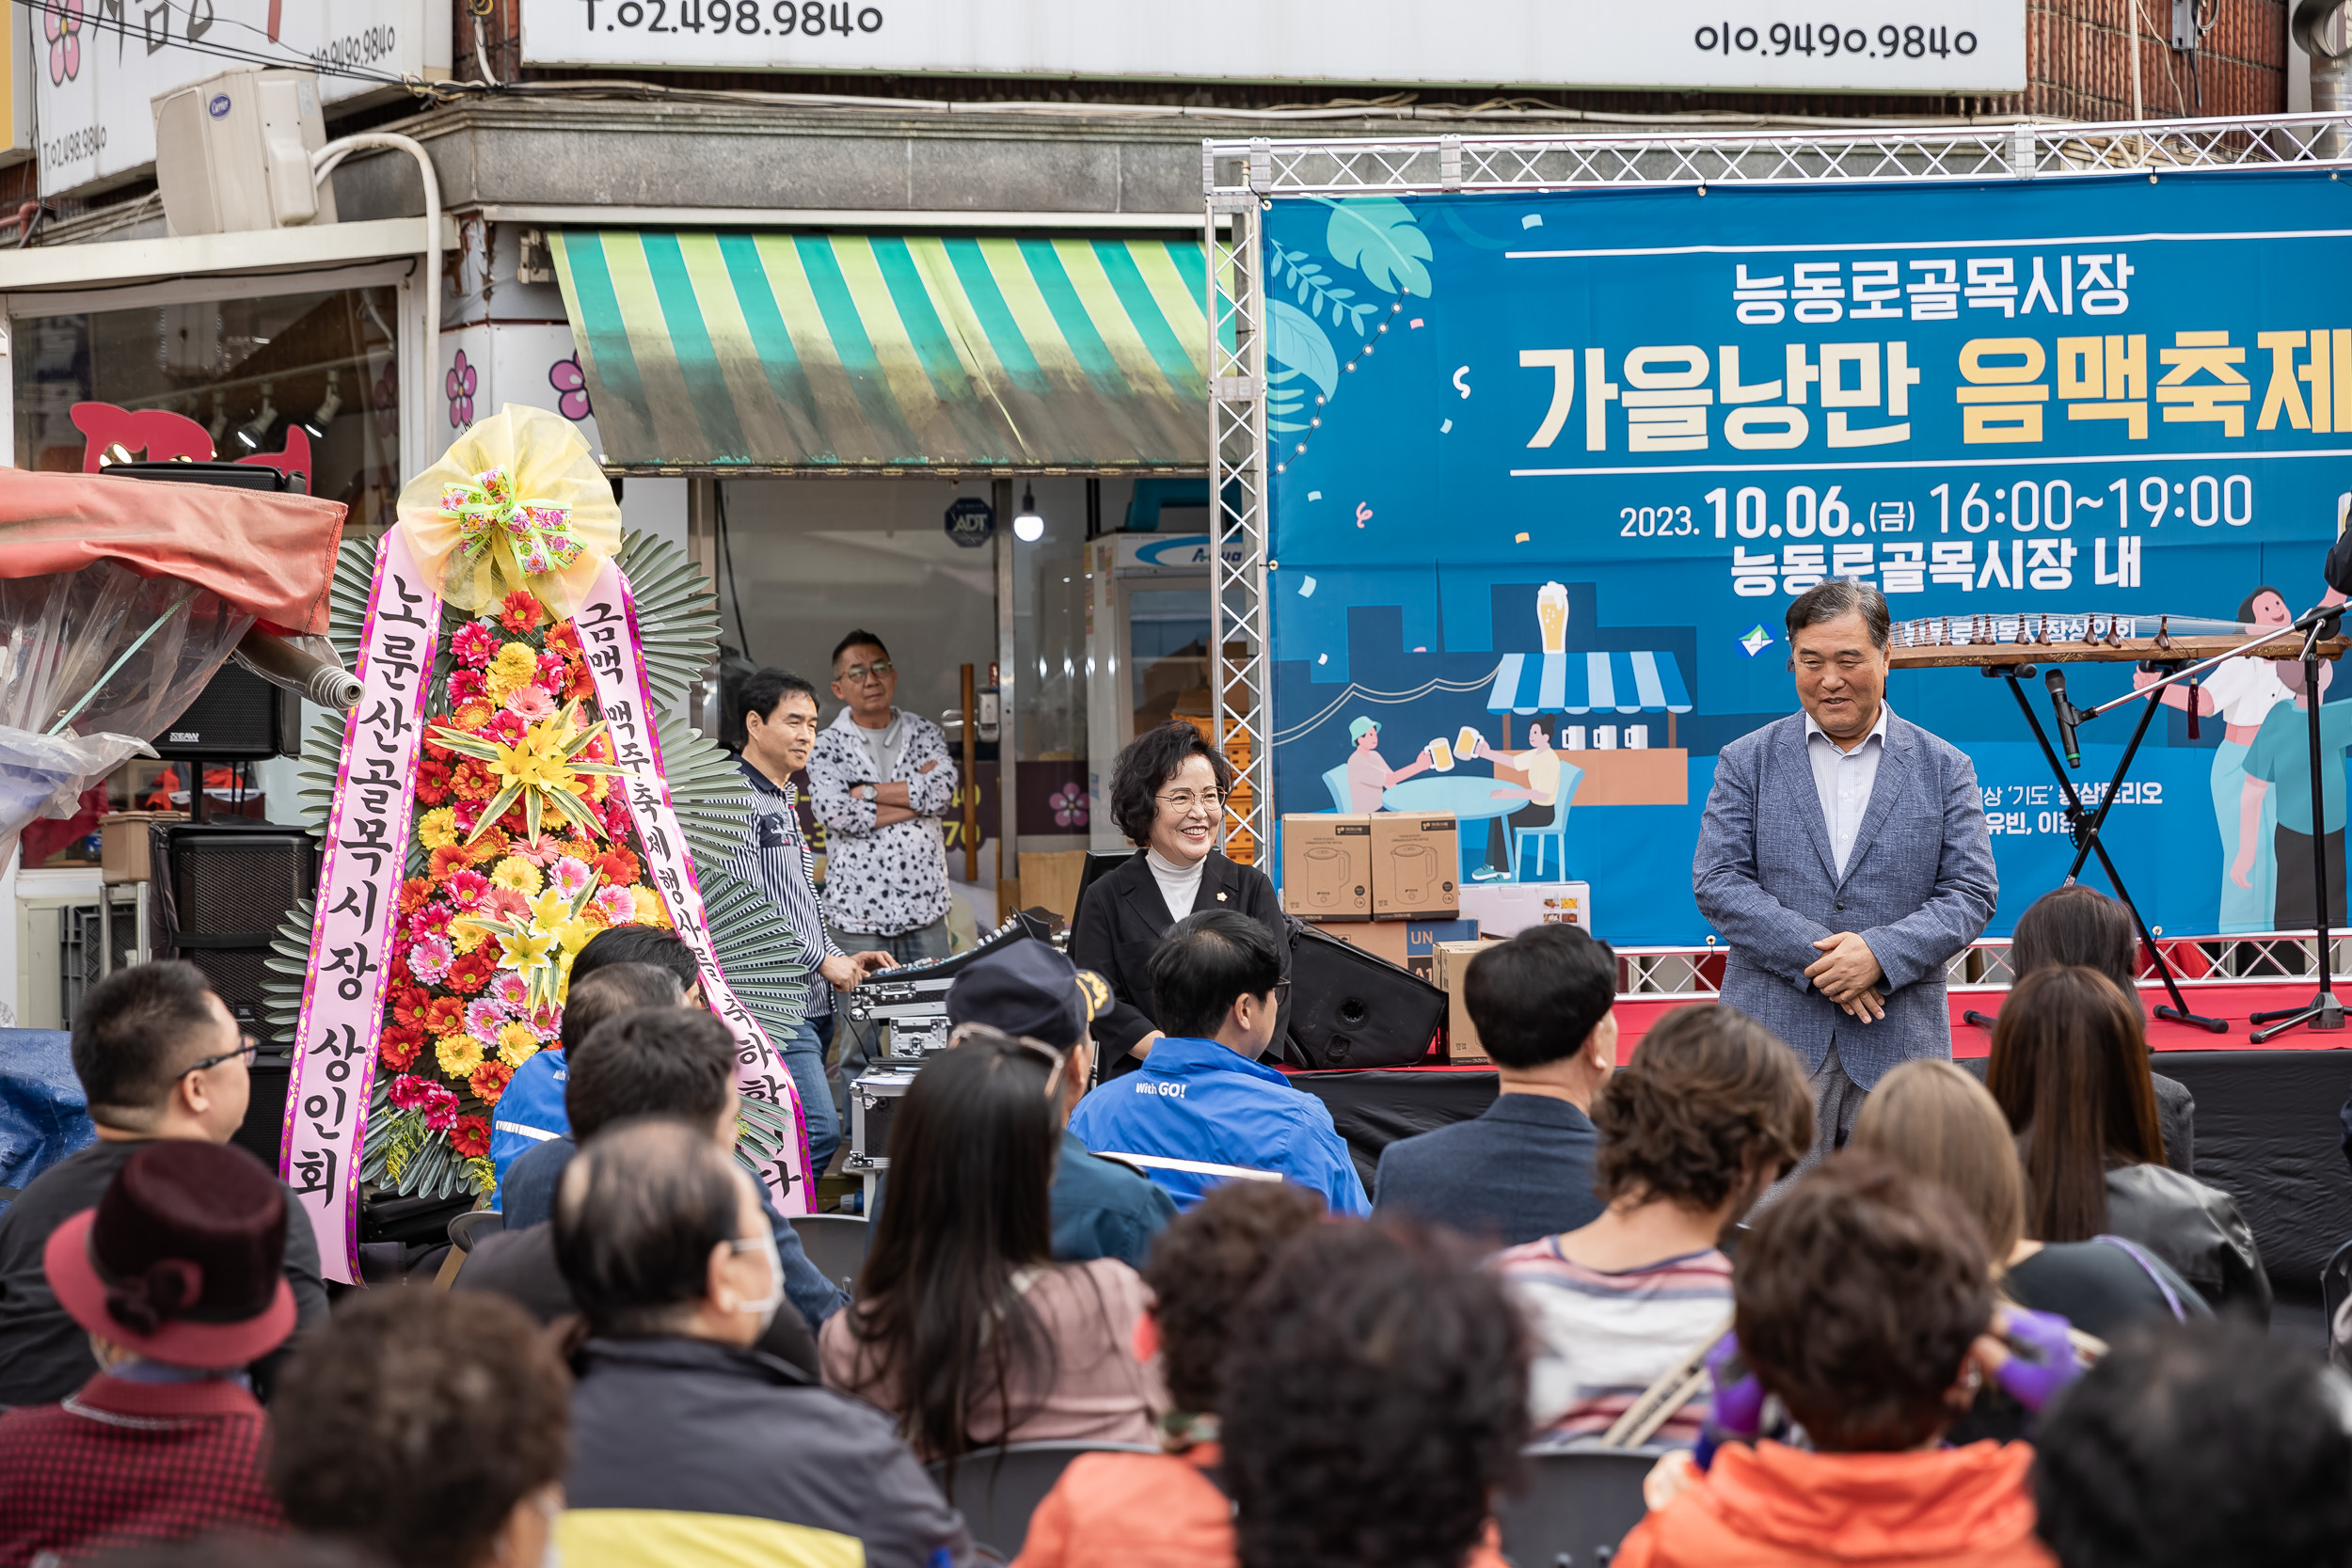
(2324, 1012)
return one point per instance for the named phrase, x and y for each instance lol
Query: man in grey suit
(1843, 857)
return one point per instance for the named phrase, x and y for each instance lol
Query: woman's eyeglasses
(1182, 801)
(1056, 1058)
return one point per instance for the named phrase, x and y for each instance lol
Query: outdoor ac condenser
(234, 152)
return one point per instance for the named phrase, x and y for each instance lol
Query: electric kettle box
(1416, 866)
(1327, 866)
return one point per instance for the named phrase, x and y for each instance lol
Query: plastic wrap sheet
(43, 775)
(63, 631)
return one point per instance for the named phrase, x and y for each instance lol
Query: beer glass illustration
(1441, 755)
(1466, 744)
(1551, 613)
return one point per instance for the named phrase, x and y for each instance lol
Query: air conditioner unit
(234, 152)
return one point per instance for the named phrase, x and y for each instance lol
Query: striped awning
(739, 352)
(1588, 683)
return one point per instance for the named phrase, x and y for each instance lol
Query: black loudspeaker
(238, 717)
(230, 887)
(1351, 1010)
(265, 1125)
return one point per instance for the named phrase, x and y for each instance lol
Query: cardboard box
(1409, 944)
(122, 835)
(1461, 1036)
(1507, 909)
(1327, 866)
(1416, 866)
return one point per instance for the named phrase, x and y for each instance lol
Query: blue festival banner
(1550, 468)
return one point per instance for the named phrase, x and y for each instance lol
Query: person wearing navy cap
(1101, 1209)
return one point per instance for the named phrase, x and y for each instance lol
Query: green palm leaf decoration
(766, 964)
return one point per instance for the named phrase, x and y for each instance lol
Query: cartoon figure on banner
(2243, 693)
(2278, 790)
(1369, 773)
(1545, 772)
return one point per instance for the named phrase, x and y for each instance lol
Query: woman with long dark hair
(966, 1329)
(2070, 1071)
(2079, 925)
(1167, 796)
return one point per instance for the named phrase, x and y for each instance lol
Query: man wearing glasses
(159, 1058)
(880, 779)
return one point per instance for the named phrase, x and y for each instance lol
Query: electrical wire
(1354, 693)
(100, 22)
(726, 560)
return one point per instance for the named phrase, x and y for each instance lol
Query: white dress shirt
(1843, 780)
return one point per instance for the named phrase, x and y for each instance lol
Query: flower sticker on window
(61, 23)
(571, 382)
(1070, 805)
(461, 382)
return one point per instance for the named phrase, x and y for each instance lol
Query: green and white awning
(743, 352)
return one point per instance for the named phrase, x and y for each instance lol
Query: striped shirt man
(774, 858)
(1602, 1337)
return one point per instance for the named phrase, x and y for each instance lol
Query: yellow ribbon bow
(539, 531)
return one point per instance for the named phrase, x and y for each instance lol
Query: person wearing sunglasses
(160, 1059)
(880, 780)
(1169, 789)
(1101, 1210)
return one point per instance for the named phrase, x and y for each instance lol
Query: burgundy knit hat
(184, 1258)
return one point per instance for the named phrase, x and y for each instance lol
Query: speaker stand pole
(2324, 1012)
(198, 813)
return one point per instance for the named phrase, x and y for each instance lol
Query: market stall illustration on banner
(1546, 470)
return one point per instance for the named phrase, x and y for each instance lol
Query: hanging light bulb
(330, 405)
(1027, 526)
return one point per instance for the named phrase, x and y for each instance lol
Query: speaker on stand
(229, 888)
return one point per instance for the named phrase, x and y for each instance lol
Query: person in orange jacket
(1864, 1303)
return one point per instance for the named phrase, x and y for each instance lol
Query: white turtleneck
(1180, 885)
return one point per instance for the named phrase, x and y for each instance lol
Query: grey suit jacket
(1919, 886)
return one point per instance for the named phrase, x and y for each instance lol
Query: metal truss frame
(1239, 178)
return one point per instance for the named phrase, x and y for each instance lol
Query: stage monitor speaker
(235, 476)
(1350, 1009)
(264, 1126)
(238, 717)
(230, 888)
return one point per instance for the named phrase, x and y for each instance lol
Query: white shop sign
(96, 63)
(1944, 46)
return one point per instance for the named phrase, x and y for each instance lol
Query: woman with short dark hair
(964, 1328)
(1711, 1109)
(2079, 925)
(1169, 789)
(2070, 1069)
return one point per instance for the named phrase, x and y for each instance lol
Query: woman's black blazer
(1121, 922)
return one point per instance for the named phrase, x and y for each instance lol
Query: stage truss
(1240, 178)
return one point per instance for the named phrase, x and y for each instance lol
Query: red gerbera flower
(470, 1137)
(447, 861)
(472, 970)
(618, 864)
(444, 1015)
(520, 611)
(398, 1048)
(564, 638)
(408, 1008)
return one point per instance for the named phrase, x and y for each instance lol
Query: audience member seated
(427, 1429)
(965, 1329)
(1375, 1404)
(1101, 1210)
(1936, 1122)
(1160, 1511)
(177, 1280)
(1202, 1097)
(540, 1129)
(1865, 1307)
(1712, 1110)
(161, 1060)
(1524, 1168)
(2070, 1070)
(2189, 1447)
(656, 1061)
(2079, 925)
(690, 1446)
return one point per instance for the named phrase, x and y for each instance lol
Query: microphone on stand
(286, 663)
(2068, 715)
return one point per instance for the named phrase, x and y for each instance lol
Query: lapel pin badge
(1220, 898)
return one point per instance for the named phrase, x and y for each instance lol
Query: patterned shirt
(775, 859)
(882, 882)
(1602, 1337)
